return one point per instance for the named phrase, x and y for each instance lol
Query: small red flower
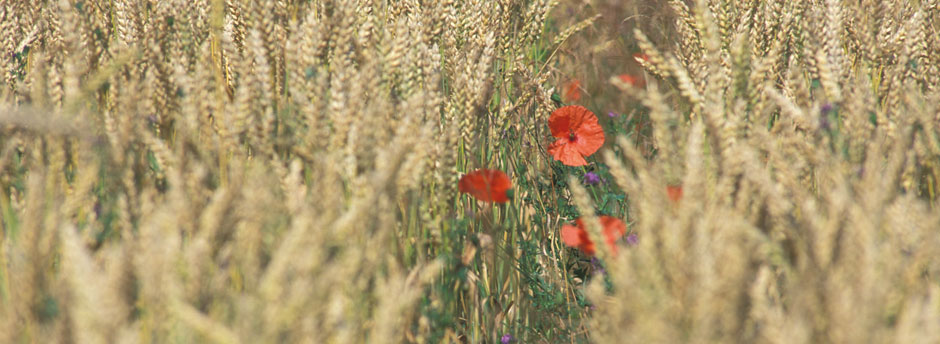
(577, 236)
(641, 57)
(674, 192)
(578, 135)
(631, 80)
(486, 185)
(573, 91)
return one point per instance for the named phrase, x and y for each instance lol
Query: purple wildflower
(506, 339)
(826, 108)
(591, 178)
(612, 114)
(632, 239)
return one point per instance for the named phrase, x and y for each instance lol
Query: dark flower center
(572, 137)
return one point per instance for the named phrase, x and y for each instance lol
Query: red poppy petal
(631, 80)
(486, 185)
(499, 184)
(578, 115)
(590, 137)
(588, 248)
(614, 228)
(576, 236)
(499, 181)
(475, 185)
(567, 119)
(573, 90)
(581, 122)
(567, 153)
(571, 235)
(560, 123)
(468, 182)
(674, 192)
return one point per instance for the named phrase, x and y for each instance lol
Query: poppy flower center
(572, 137)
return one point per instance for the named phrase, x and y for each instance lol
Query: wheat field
(413, 171)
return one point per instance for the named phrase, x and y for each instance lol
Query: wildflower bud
(632, 239)
(591, 178)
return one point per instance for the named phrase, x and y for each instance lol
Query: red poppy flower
(486, 185)
(641, 57)
(631, 80)
(573, 91)
(674, 192)
(578, 135)
(576, 236)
